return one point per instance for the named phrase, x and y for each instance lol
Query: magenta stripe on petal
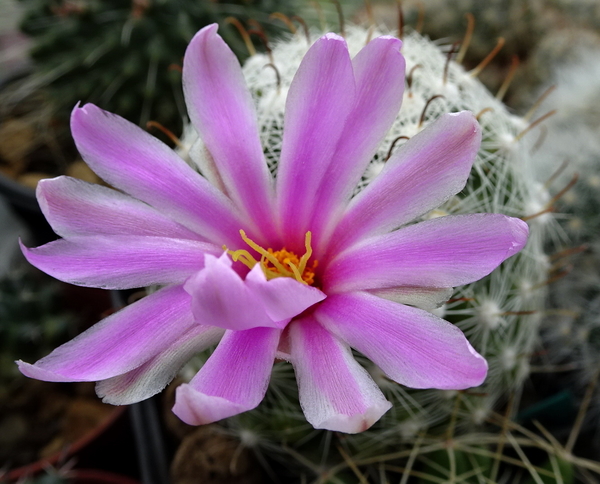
(412, 346)
(120, 261)
(438, 253)
(119, 343)
(336, 393)
(426, 171)
(132, 160)
(222, 110)
(321, 97)
(74, 207)
(233, 380)
(154, 375)
(379, 71)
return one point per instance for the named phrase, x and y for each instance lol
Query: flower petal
(379, 72)
(74, 207)
(233, 380)
(119, 343)
(220, 298)
(154, 375)
(426, 171)
(336, 393)
(222, 110)
(320, 98)
(282, 297)
(132, 160)
(413, 347)
(119, 261)
(442, 252)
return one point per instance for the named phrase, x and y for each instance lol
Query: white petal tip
(332, 36)
(354, 424)
(478, 372)
(520, 231)
(196, 408)
(33, 371)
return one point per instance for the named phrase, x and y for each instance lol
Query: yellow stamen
(242, 256)
(281, 263)
(273, 260)
(297, 273)
(307, 254)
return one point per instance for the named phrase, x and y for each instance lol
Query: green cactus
(33, 318)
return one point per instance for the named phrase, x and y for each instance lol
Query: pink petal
(439, 253)
(74, 207)
(221, 298)
(154, 375)
(137, 163)
(222, 110)
(119, 261)
(119, 343)
(336, 393)
(233, 380)
(425, 172)
(282, 297)
(321, 97)
(379, 71)
(413, 347)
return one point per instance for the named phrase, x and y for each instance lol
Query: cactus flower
(295, 267)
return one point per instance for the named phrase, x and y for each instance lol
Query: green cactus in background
(33, 318)
(571, 331)
(124, 56)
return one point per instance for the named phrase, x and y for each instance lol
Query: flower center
(280, 263)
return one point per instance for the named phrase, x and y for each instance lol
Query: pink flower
(308, 271)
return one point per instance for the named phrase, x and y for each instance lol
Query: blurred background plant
(571, 333)
(126, 56)
(34, 319)
(37, 420)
